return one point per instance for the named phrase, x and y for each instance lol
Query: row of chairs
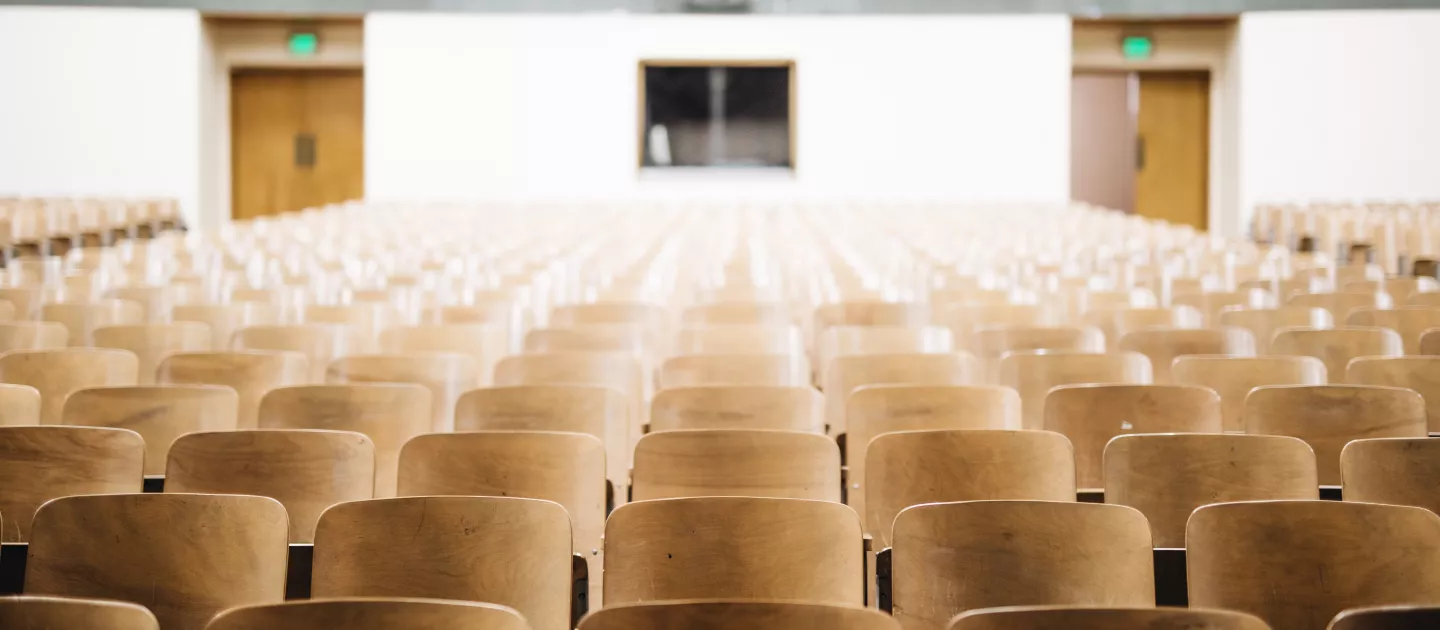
(41, 225)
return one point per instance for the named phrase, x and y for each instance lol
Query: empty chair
(733, 547)
(1340, 304)
(28, 335)
(251, 373)
(19, 405)
(1167, 476)
(738, 407)
(1397, 471)
(1264, 322)
(1338, 346)
(740, 340)
(1030, 552)
(1296, 564)
(37, 612)
(774, 370)
(1399, 287)
(1163, 345)
(306, 471)
(82, 318)
(737, 615)
(1410, 322)
(736, 462)
(507, 551)
(592, 409)
(159, 413)
(1091, 415)
(870, 313)
(990, 344)
(1421, 374)
(58, 373)
(617, 312)
(965, 320)
(622, 338)
(1115, 323)
(615, 370)
(370, 613)
(842, 341)
(1329, 416)
(484, 343)
(910, 468)
(445, 374)
(1387, 618)
(320, 343)
(738, 314)
(848, 373)
(224, 319)
(152, 343)
(363, 320)
(42, 463)
(26, 300)
(1212, 304)
(1085, 618)
(1034, 374)
(1233, 378)
(162, 551)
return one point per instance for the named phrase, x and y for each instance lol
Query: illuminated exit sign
(1137, 47)
(303, 43)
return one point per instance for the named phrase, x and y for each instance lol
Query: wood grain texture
(359, 613)
(1264, 322)
(739, 339)
(1034, 374)
(159, 413)
(736, 463)
(737, 313)
(1091, 415)
(320, 343)
(29, 335)
(1163, 345)
(1387, 618)
(225, 319)
(965, 319)
(42, 463)
(847, 374)
(33, 612)
(1233, 378)
(56, 374)
(1397, 471)
(591, 409)
(507, 551)
(387, 413)
(1030, 552)
(19, 405)
(153, 343)
(1296, 564)
(770, 370)
(445, 374)
(1410, 322)
(1419, 373)
(991, 343)
(1116, 322)
(909, 468)
(1336, 347)
(82, 318)
(1083, 618)
(738, 407)
(161, 551)
(1172, 118)
(1328, 417)
(733, 547)
(251, 373)
(306, 471)
(485, 343)
(736, 615)
(1168, 476)
(1339, 304)
(620, 371)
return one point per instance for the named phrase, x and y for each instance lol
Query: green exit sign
(1137, 47)
(303, 43)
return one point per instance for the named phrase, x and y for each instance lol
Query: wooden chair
(991, 344)
(38, 464)
(225, 319)
(1163, 345)
(964, 320)
(1328, 417)
(734, 547)
(1339, 304)
(485, 343)
(1412, 372)
(1031, 552)
(1410, 322)
(19, 405)
(507, 551)
(1034, 374)
(740, 340)
(388, 413)
(1233, 378)
(619, 338)
(737, 615)
(363, 320)
(155, 301)
(1398, 287)
(1387, 618)
(1212, 304)
(619, 371)
(771, 370)
(1167, 476)
(319, 343)
(738, 407)
(736, 462)
(1338, 346)
(1090, 415)
(1264, 322)
(567, 468)
(849, 373)
(35, 612)
(1397, 471)
(870, 313)
(446, 375)
(909, 468)
(26, 299)
(370, 613)
(844, 341)
(1296, 564)
(28, 335)
(251, 373)
(306, 471)
(82, 318)
(738, 314)
(617, 312)
(161, 550)
(159, 413)
(152, 343)
(58, 373)
(1083, 618)
(1115, 323)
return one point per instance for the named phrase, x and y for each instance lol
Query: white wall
(951, 107)
(99, 102)
(1340, 105)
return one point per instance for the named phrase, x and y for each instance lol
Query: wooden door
(1172, 177)
(297, 140)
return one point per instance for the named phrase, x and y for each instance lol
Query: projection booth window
(717, 114)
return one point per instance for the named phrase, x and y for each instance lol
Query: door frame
(1183, 45)
(230, 44)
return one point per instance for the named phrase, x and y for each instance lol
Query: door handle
(305, 150)
(1139, 153)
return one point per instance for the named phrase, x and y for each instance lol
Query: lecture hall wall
(966, 108)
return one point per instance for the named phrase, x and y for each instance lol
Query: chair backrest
(82, 318)
(445, 374)
(1421, 374)
(1296, 564)
(320, 343)
(1397, 471)
(870, 313)
(738, 407)
(608, 369)
(251, 373)
(1264, 322)
(38, 612)
(736, 462)
(388, 413)
(842, 341)
(734, 547)
(617, 312)
(27, 301)
(1030, 552)
(1340, 304)
(1115, 323)
(1091, 415)
(58, 373)
(772, 370)
(622, 338)
(965, 319)
(1233, 378)
(1410, 321)
(363, 320)
(1034, 374)
(737, 615)
(910, 468)
(162, 551)
(1211, 304)
(370, 614)
(1163, 345)
(152, 343)
(990, 344)
(1084, 618)
(849, 373)
(19, 405)
(591, 409)
(502, 550)
(225, 319)
(1167, 476)
(28, 335)
(159, 413)
(1387, 618)
(1328, 417)
(306, 471)
(38, 464)
(730, 339)
(1337, 346)
(738, 314)
(155, 301)
(485, 343)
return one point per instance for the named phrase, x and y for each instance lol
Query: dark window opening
(717, 116)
